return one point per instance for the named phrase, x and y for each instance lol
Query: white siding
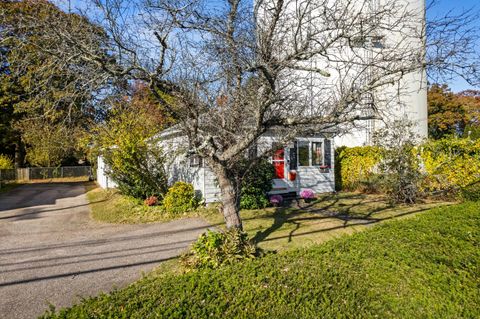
(310, 177)
(103, 180)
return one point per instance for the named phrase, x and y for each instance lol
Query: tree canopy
(46, 102)
(452, 113)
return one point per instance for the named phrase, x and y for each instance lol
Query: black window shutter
(293, 156)
(328, 152)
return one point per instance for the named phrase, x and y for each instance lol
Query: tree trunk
(230, 197)
(19, 154)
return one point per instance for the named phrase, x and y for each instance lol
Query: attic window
(195, 161)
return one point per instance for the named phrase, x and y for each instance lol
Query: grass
(330, 216)
(300, 225)
(109, 206)
(426, 266)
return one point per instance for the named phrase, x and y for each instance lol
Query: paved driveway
(51, 252)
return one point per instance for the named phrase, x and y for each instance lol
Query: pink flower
(276, 200)
(307, 194)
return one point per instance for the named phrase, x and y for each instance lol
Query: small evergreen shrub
(180, 198)
(214, 249)
(6, 162)
(256, 184)
(253, 198)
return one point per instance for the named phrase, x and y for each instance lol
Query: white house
(308, 162)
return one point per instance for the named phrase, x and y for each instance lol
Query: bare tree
(231, 72)
(453, 46)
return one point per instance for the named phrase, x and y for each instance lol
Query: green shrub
(180, 198)
(138, 169)
(372, 184)
(253, 198)
(471, 192)
(214, 249)
(6, 162)
(256, 183)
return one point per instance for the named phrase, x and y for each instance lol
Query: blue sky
(442, 7)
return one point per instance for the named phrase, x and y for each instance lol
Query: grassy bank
(109, 206)
(420, 267)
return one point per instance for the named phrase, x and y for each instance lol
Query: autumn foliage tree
(126, 141)
(451, 113)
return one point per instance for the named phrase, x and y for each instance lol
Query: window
(314, 153)
(195, 161)
(317, 154)
(303, 154)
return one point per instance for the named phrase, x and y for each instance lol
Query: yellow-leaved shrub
(6, 162)
(450, 163)
(355, 165)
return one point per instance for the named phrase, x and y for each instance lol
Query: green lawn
(330, 216)
(426, 266)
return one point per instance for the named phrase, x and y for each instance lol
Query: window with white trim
(314, 153)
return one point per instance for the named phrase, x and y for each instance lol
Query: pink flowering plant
(307, 194)
(276, 200)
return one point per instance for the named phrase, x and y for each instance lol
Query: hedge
(354, 165)
(446, 164)
(450, 163)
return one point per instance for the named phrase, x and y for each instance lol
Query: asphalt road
(52, 252)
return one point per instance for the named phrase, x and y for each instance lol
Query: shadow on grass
(330, 207)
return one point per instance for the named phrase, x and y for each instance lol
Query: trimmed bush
(256, 183)
(450, 164)
(214, 249)
(180, 198)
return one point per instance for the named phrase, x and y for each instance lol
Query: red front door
(279, 163)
